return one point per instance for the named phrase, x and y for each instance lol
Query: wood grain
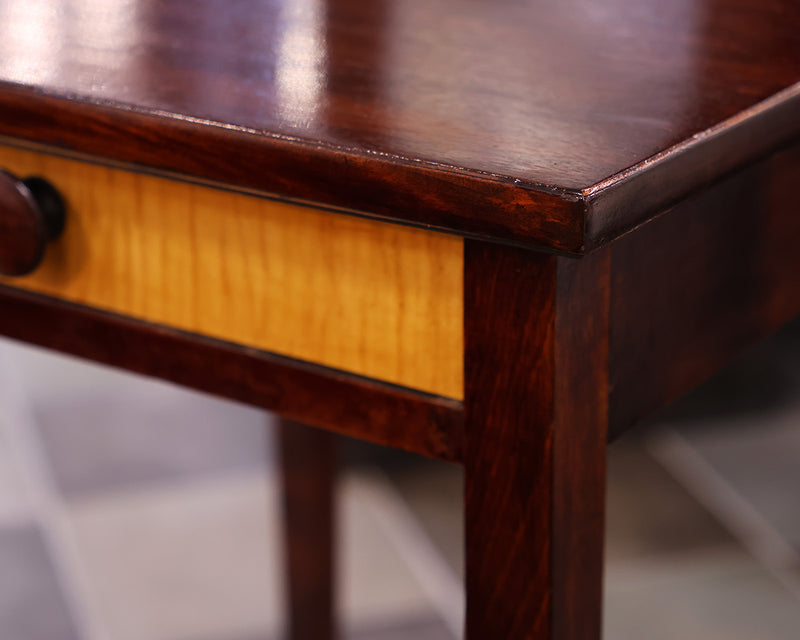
(696, 286)
(379, 300)
(580, 432)
(309, 472)
(549, 122)
(341, 402)
(534, 450)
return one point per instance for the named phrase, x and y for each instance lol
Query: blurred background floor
(131, 509)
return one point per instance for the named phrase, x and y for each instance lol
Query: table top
(556, 123)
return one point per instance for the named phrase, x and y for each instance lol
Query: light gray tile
(745, 423)
(16, 496)
(203, 560)
(46, 375)
(104, 429)
(418, 629)
(759, 461)
(186, 560)
(650, 514)
(434, 491)
(714, 596)
(144, 432)
(425, 628)
(32, 605)
(375, 582)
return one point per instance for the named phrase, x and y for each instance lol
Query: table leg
(536, 354)
(308, 462)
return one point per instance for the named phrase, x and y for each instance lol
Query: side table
(494, 234)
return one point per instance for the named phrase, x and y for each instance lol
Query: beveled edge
(446, 198)
(663, 180)
(429, 195)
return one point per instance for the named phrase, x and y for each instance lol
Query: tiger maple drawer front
(368, 297)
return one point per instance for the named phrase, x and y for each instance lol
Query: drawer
(364, 296)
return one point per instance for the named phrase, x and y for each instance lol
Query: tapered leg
(308, 459)
(536, 355)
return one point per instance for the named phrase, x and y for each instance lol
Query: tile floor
(131, 509)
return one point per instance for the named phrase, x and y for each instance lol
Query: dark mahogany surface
(22, 232)
(536, 374)
(308, 467)
(519, 108)
(695, 287)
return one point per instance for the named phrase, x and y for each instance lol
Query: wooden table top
(555, 123)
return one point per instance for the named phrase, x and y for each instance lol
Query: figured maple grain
(341, 402)
(380, 300)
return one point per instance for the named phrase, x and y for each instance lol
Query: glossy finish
(535, 437)
(524, 117)
(341, 402)
(553, 124)
(308, 465)
(31, 215)
(696, 286)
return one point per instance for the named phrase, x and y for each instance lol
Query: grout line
(435, 576)
(48, 509)
(756, 534)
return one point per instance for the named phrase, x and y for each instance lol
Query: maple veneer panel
(376, 299)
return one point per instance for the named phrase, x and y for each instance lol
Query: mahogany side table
(492, 233)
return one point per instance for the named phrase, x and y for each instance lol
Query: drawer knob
(32, 213)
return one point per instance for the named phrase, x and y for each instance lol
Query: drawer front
(368, 297)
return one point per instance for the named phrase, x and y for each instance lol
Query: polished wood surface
(380, 300)
(535, 442)
(32, 214)
(309, 472)
(345, 403)
(22, 231)
(531, 128)
(556, 123)
(696, 286)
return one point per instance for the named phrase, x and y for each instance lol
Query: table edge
(452, 199)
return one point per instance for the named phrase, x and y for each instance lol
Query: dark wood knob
(32, 214)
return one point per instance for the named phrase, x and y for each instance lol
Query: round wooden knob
(31, 215)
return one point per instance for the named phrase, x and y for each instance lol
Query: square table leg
(536, 367)
(308, 462)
